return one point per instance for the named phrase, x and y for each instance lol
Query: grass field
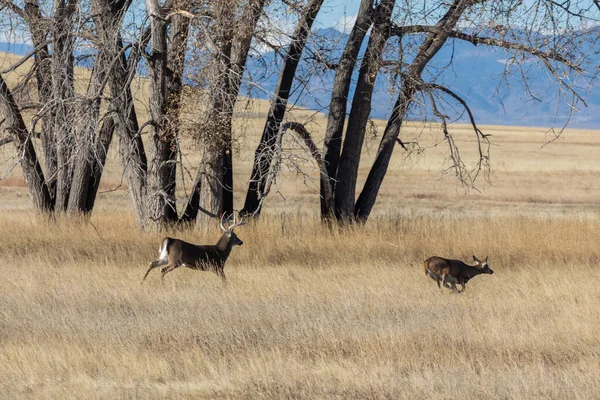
(308, 313)
(313, 313)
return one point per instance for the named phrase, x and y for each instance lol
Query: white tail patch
(163, 254)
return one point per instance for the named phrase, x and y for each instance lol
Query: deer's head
(228, 230)
(483, 265)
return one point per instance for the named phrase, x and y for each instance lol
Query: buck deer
(454, 271)
(174, 253)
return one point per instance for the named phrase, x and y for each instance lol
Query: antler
(223, 221)
(235, 223)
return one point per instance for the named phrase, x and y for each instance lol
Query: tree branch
(14, 8)
(27, 56)
(483, 158)
(300, 129)
(488, 41)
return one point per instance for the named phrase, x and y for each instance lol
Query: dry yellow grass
(309, 313)
(313, 313)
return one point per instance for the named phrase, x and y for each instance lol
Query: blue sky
(340, 14)
(337, 14)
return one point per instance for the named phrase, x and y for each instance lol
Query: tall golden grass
(309, 312)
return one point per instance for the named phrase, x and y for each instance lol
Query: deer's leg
(452, 286)
(447, 284)
(170, 267)
(153, 264)
(221, 273)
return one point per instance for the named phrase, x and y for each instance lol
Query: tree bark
(83, 159)
(339, 98)
(263, 155)
(102, 143)
(216, 127)
(43, 74)
(91, 148)
(160, 192)
(63, 96)
(131, 147)
(361, 108)
(32, 170)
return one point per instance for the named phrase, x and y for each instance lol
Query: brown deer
(174, 253)
(454, 271)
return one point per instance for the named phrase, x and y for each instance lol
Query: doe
(174, 253)
(454, 271)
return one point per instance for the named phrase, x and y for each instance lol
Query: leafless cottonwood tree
(75, 134)
(228, 35)
(268, 143)
(75, 130)
(546, 32)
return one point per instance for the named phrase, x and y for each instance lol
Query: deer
(174, 253)
(451, 272)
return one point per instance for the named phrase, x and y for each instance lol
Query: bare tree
(423, 29)
(264, 152)
(361, 108)
(75, 134)
(339, 97)
(229, 39)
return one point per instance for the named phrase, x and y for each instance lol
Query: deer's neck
(471, 272)
(224, 244)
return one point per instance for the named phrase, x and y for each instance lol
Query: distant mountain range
(475, 74)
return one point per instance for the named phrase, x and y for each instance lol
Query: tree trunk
(359, 115)
(432, 44)
(43, 75)
(226, 80)
(102, 143)
(32, 170)
(160, 193)
(92, 148)
(63, 90)
(263, 155)
(216, 127)
(83, 159)
(131, 148)
(367, 197)
(339, 98)
(216, 139)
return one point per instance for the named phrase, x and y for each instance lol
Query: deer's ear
(476, 260)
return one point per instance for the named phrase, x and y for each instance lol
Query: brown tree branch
(488, 41)
(14, 8)
(483, 162)
(303, 133)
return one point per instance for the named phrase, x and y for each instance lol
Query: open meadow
(317, 313)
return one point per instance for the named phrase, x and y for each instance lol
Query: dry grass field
(313, 313)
